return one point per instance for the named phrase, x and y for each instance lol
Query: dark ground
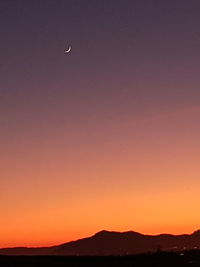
(161, 259)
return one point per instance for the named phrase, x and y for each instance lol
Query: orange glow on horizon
(147, 183)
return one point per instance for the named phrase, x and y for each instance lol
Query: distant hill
(114, 243)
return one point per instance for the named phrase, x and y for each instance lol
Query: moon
(68, 50)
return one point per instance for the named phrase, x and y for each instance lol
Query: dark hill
(115, 243)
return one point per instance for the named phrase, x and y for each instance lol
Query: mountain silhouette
(114, 243)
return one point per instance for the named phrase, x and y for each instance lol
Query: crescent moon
(68, 50)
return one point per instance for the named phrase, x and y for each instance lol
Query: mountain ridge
(114, 243)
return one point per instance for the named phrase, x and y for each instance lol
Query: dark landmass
(105, 243)
(164, 259)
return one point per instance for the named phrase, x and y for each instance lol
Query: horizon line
(109, 231)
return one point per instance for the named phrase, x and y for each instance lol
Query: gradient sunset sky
(107, 136)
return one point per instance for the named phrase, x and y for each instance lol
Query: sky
(106, 136)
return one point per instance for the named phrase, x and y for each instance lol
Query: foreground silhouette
(164, 259)
(105, 243)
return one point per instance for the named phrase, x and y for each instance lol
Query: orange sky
(143, 177)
